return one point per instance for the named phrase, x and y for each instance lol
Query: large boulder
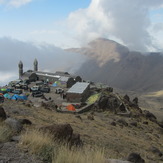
(2, 114)
(59, 131)
(103, 102)
(150, 116)
(14, 124)
(135, 158)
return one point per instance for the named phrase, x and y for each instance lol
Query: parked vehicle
(35, 88)
(14, 83)
(10, 90)
(45, 89)
(17, 91)
(39, 83)
(59, 90)
(37, 94)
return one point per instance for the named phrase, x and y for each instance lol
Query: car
(45, 89)
(17, 91)
(37, 94)
(35, 88)
(14, 83)
(10, 90)
(59, 90)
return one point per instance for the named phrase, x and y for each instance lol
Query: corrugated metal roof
(64, 78)
(79, 87)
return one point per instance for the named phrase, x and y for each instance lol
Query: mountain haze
(114, 64)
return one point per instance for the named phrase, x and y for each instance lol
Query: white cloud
(18, 3)
(126, 20)
(49, 57)
(15, 3)
(7, 77)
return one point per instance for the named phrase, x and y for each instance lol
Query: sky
(37, 25)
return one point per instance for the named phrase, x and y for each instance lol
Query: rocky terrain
(114, 123)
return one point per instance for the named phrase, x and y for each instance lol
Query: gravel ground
(10, 153)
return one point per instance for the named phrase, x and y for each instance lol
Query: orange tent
(70, 108)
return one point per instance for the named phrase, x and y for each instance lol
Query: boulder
(135, 124)
(127, 98)
(59, 131)
(25, 121)
(135, 101)
(135, 158)
(150, 116)
(2, 113)
(113, 123)
(116, 161)
(75, 140)
(14, 124)
(103, 102)
(156, 151)
(122, 122)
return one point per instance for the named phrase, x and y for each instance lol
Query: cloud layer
(50, 58)
(127, 21)
(15, 3)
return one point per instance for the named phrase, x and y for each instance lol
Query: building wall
(44, 78)
(74, 97)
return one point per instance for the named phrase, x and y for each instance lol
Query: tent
(19, 97)
(93, 98)
(70, 108)
(56, 83)
(7, 96)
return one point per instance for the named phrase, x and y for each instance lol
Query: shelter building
(79, 92)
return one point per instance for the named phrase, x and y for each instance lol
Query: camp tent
(56, 83)
(19, 97)
(8, 96)
(70, 108)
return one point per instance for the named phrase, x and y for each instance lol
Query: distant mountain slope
(114, 64)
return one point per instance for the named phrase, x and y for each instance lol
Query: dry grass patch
(38, 143)
(86, 155)
(5, 132)
(43, 145)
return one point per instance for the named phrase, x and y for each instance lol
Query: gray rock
(135, 158)
(15, 125)
(116, 161)
(156, 151)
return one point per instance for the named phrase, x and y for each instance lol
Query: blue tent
(19, 97)
(7, 96)
(55, 85)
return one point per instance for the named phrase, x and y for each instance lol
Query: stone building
(35, 75)
(79, 92)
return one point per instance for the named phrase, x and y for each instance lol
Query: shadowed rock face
(63, 132)
(114, 64)
(2, 113)
(135, 158)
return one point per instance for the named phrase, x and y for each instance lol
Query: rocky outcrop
(63, 133)
(135, 158)
(60, 131)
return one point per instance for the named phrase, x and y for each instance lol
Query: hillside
(117, 66)
(106, 126)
